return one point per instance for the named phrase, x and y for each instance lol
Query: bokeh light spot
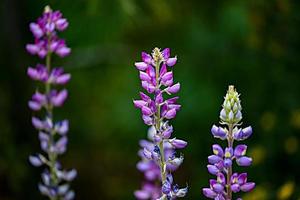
(286, 190)
(268, 121)
(291, 145)
(258, 154)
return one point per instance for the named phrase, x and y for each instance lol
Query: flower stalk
(158, 153)
(221, 162)
(52, 135)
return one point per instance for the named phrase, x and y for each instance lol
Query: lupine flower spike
(52, 135)
(158, 154)
(221, 162)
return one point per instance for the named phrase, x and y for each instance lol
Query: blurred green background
(254, 45)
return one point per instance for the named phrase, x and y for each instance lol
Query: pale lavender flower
(52, 135)
(222, 160)
(158, 154)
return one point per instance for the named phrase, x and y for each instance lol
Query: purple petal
(35, 161)
(147, 120)
(213, 159)
(240, 150)
(61, 145)
(70, 195)
(167, 133)
(37, 123)
(212, 169)
(217, 150)
(62, 127)
(179, 144)
(235, 188)
(242, 178)
(218, 187)
(70, 175)
(244, 161)
(209, 193)
(247, 187)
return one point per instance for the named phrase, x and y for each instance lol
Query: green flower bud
(231, 111)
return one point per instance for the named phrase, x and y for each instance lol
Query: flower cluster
(158, 154)
(44, 32)
(52, 135)
(220, 163)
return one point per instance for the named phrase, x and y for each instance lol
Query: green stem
(229, 173)
(49, 110)
(157, 127)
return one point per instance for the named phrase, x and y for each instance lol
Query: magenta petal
(171, 61)
(144, 96)
(32, 49)
(170, 114)
(146, 58)
(139, 103)
(167, 77)
(147, 120)
(61, 24)
(63, 51)
(142, 195)
(166, 53)
(146, 111)
(36, 30)
(144, 76)
(59, 98)
(35, 106)
(63, 79)
(32, 73)
(141, 65)
(173, 89)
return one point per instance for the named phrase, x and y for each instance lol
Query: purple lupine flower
(158, 155)
(221, 162)
(52, 135)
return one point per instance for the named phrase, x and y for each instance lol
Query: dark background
(251, 44)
